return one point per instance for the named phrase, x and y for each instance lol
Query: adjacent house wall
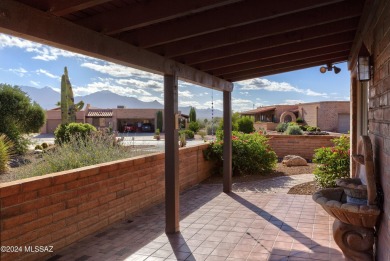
(376, 38)
(61, 208)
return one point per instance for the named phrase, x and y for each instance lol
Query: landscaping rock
(293, 160)
(38, 151)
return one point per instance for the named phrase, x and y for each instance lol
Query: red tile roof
(258, 110)
(99, 113)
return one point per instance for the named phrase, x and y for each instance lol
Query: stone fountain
(354, 206)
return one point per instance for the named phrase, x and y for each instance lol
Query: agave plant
(6, 152)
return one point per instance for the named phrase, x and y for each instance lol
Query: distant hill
(47, 98)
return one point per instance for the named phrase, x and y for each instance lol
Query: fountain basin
(333, 201)
(353, 187)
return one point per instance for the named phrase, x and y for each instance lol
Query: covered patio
(217, 226)
(213, 43)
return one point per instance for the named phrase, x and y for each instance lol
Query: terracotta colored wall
(377, 40)
(303, 146)
(59, 209)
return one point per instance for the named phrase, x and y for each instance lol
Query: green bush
(64, 132)
(44, 145)
(202, 134)
(245, 124)
(303, 127)
(251, 154)
(281, 127)
(211, 130)
(311, 128)
(333, 162)
(194, 126)
(38, 147)
(189, 134)
(299, 120)
(6, 152)
(293, 130)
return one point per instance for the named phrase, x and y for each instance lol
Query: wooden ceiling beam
(146, 13)
(262, 29)
(282, 59)
(269, 42)
(289, 66)
(285, 70)
(277, 51)
(61, 8)
(23, 21)
(219, 19)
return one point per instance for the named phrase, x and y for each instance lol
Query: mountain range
(47, 98)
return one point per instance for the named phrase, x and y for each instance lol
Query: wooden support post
(227, 141)
(171, 154)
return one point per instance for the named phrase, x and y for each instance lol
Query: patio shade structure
(212, 43)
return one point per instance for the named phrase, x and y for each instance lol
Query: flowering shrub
(333, 162)
(251, 153)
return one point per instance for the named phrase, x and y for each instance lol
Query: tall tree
(192, 114)
(18, 115)
(68, 107)
(159, 120)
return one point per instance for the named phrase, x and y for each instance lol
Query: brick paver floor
(217, 226)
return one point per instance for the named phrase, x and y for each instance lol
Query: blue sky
(32, 64)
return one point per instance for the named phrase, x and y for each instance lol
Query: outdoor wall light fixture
(364, 68)
(329, 67)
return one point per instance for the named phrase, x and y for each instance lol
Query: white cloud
(107, 85)
(218, 104)
(18, 71)
(44, 72)
(34, 83)
(293, 102)
(244, 93)
(150, 99)
(155, 85)
(119, 71)
(313, 93)
(43, 52)
(264, 84)
(186, 94)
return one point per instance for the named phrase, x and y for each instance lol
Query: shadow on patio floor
(218, 226)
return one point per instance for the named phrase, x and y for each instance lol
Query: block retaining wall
(59, 209)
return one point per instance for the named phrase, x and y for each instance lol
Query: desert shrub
(194, 126)
(64, 132)
(211, 129)
(281, 127)
(245, 124)
(293, 130)
(311, 128)
(182, 140)
(332, 162)
(303, 127)
(38, 147)
(6, 152)
(299, 120)
(78, 152)
(44, 145)
(202, 134)
(189, 134)
(251, 154)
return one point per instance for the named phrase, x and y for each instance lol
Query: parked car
(129, 128)
(147, 127)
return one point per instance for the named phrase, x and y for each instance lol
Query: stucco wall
(377, 40)
(59, 209)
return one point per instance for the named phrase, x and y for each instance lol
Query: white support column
(171, 154)
(227, 141)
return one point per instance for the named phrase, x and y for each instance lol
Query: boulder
(293, 160)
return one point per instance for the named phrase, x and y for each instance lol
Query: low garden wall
(59, 209)
(265, 125)
(301, 145)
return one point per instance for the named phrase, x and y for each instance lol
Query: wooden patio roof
(207, 42)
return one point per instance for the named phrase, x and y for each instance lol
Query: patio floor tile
(217, 226)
